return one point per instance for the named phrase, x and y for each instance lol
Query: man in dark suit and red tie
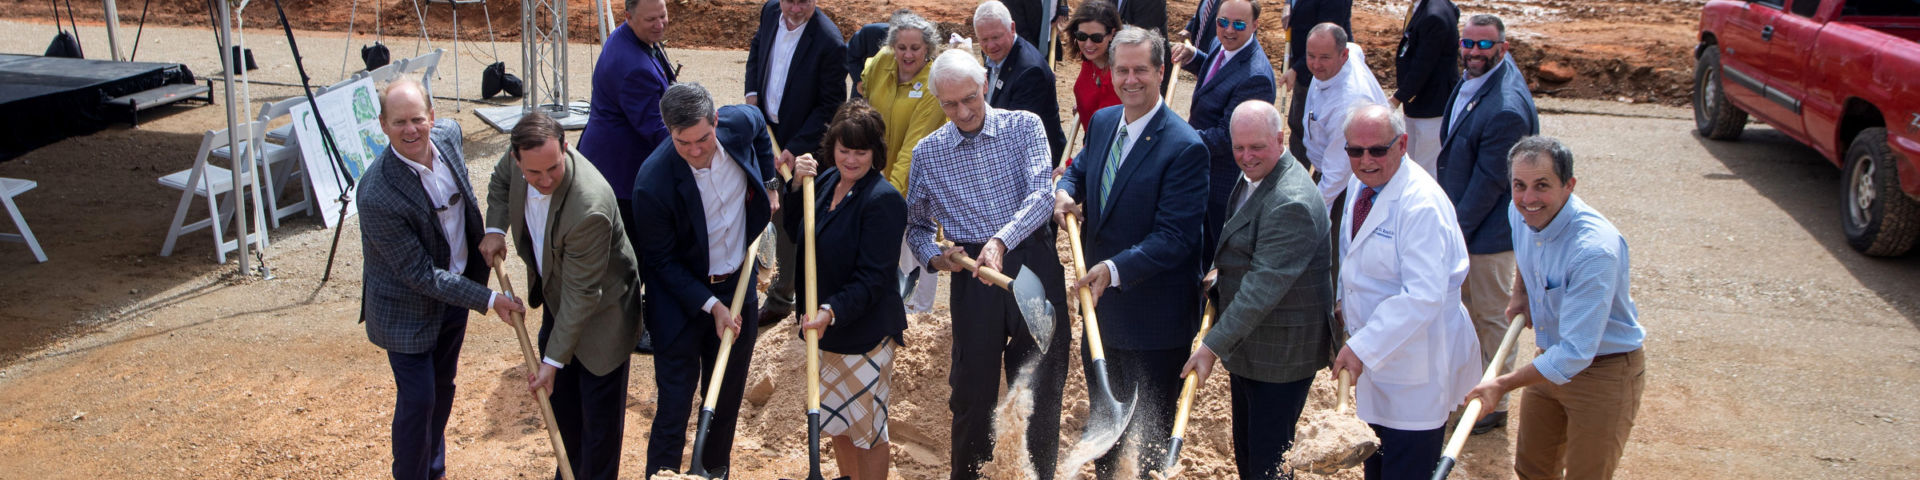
(1141, 186)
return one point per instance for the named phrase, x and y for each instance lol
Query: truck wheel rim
(1862, 194)
(1711, 92)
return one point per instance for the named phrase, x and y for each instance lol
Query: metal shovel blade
(1107, 422)
(1034, 307)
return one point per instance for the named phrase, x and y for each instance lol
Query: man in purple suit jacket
(623, 126)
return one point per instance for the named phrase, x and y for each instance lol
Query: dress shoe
(770, 317)
(645, 346)
(1493, 421)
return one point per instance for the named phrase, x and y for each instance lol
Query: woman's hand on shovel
(820, 319)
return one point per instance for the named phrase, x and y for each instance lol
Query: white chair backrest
(273, 110)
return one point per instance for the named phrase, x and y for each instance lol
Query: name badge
(1383, 233)
(999, 84)
(914, 94)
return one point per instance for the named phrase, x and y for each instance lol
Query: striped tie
(1112, 167)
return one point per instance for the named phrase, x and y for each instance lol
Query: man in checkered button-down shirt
(985, 178)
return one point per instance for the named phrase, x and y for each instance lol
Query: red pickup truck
(1842, 76)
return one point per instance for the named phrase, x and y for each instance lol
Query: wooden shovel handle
(533, 365)
(812, 303)
(1089, 321)
(1193, 381)
(1458, 440)
(726, 339)
(992, 275)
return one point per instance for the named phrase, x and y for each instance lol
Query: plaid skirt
(853, 394)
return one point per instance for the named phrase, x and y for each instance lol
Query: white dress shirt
(1246, 192)
(537, 206)
(723, 193)
(443, 195)
(780, 63)
(1328, 104)
(1134, 130)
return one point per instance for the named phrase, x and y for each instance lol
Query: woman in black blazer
(859, 220)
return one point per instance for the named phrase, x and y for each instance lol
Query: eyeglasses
(1374, 151)
(1089, 37)
(1237, 25)
(1483, 44)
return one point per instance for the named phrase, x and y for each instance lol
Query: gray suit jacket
(406, 287)
(589, 279)
(1275, 280)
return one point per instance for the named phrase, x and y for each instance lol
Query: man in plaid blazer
(420, 234)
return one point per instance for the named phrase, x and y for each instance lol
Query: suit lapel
(1473, 104)
(405, 180)
(1149, 137)
(1385, 203)
(556, 204)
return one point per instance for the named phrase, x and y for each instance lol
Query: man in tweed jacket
(420, 233)
(1276, 291)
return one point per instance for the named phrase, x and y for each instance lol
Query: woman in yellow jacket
(895, 82)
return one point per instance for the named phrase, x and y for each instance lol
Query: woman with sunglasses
(1092, 26)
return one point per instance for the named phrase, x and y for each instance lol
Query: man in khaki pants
(1585, 384)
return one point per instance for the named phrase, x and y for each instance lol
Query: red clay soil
(1622, 50)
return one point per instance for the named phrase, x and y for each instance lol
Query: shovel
(1458, 439)
(1103, 409)
(533, 365)
(1027, 291)
(720, 365)
(1172, 463)
(812, 304)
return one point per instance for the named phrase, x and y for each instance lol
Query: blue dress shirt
(1577, 281)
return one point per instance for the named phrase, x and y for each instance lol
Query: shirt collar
(797, 28)
(989, 128)
(1138, 127)
(1561, 221)
(418, 169)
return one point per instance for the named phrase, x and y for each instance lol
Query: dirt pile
(1328, 435)
(1010, 419)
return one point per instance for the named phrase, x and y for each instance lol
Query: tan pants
(1488, 288)
(1582, 426)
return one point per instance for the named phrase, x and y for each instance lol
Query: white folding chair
(9, 188)
(282, 163)
(211, 182)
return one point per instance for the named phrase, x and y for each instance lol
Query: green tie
(1112, 167)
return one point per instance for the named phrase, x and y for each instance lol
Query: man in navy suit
(1018, 77)
(420, 234)
(623, 119)
(1141, 185)
(796, 76)
(702, 200)
(1235, 71)
(1425, 68)
(1490, 111)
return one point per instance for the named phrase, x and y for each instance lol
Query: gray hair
(992, 11)
(1132, 35)
(1260, 111)
(906, 20)
(955, 65)
(1531, 149)
(1489, 20)
(1340, 36)
(1396, 123)
(685, 105)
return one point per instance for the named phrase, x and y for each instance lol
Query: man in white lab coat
(1411, 347)
(1341, 81)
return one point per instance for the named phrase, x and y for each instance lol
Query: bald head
(404, 91)
(1258, 142)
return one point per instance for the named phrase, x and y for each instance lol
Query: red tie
(1361, 208)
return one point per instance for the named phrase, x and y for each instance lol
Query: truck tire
(1879, 219)
(1712, 115)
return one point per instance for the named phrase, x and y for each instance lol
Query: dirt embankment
(1619, 50)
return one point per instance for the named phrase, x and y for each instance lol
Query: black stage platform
(45, 99)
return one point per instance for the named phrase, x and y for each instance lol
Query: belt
(1613, 355)
(719, 279)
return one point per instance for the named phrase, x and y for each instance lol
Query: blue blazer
(623, 121)
(816, 80)
(1246, 76)
(1027, 84)
(1160, 195)
(1473, 156)
(667, 206)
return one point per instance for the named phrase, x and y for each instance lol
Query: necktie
(1219, 57)
(1112, 167)
(993, 85)
(666, 69)
(1362, 208)
(1241, 191)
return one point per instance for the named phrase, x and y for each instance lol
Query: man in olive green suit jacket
(1276, 291)
(567, 229)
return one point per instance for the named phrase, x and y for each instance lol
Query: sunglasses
(1236, 25)
(1089, 37)
(1483, 44)
(1375, 151)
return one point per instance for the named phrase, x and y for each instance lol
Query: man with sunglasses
(1424, 71)
(1410, 347)
(1341, 80)
(1234, 71)
(1489, 112)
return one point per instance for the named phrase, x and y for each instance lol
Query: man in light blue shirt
(1572, 284)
